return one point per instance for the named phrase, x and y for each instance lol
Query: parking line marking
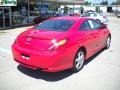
(5, 50)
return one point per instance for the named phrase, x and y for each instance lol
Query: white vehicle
(98, 16)
(118, 14)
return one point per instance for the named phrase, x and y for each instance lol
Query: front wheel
(108, 41)
(78, 61)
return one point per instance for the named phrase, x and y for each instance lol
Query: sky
(98, 1)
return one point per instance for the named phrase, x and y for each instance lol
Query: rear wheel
(78, 61)
(108, 41)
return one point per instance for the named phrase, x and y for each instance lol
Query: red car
(60, 43)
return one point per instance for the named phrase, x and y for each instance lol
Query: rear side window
(86, 15)
(92, 14)
(95, 15)
(94, 24)
(85, 26)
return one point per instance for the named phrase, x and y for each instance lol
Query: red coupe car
(60, 43)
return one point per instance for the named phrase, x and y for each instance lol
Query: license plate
(26, 57)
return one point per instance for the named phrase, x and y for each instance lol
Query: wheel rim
(79, 60)
(108, 42)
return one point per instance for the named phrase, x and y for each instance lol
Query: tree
(114, 3)
(104, 2)
(87, 3)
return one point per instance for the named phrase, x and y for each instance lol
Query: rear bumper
(50, 61)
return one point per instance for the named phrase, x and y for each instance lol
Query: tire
(108, 41)
(78, 61)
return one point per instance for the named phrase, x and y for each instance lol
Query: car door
(89, 37)
(97, 33)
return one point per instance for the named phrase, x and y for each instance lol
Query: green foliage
(87, 3)
(115, 3)
(97, 9)
(104, 2)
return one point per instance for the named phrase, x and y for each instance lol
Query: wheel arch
(84, 49)
(109, 35)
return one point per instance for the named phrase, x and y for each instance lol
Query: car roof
(73, 18)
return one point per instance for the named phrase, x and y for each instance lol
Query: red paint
(31, 48)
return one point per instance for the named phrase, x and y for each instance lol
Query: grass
(2, 32)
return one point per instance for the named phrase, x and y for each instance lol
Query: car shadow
(93, 57)
(47, 76)
(52, 77)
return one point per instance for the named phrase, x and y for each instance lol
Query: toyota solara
(60, 43)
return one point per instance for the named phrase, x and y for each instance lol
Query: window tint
(94, 24)
(95, 15)
(92, 14)
(86, 15)
(55, 25)
(85, 26)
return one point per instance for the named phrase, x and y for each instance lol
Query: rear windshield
(55, 25)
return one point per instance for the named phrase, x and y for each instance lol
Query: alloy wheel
(79, 61)
(108, 42)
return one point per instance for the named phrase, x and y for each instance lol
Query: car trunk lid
(38, 40)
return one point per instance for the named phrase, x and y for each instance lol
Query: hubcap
(108, 42)
(79, 60)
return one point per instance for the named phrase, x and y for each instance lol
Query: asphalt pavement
(101, 72)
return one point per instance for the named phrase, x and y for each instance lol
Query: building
(15, 13)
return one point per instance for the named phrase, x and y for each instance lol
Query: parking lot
(101, 72)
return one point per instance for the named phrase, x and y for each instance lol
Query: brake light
(62, 42)
(57, 44)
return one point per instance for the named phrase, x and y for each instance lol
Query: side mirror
(104, 26)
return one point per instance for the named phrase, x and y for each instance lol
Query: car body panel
(31, 48)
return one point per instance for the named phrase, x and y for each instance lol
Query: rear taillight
(57, 44)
